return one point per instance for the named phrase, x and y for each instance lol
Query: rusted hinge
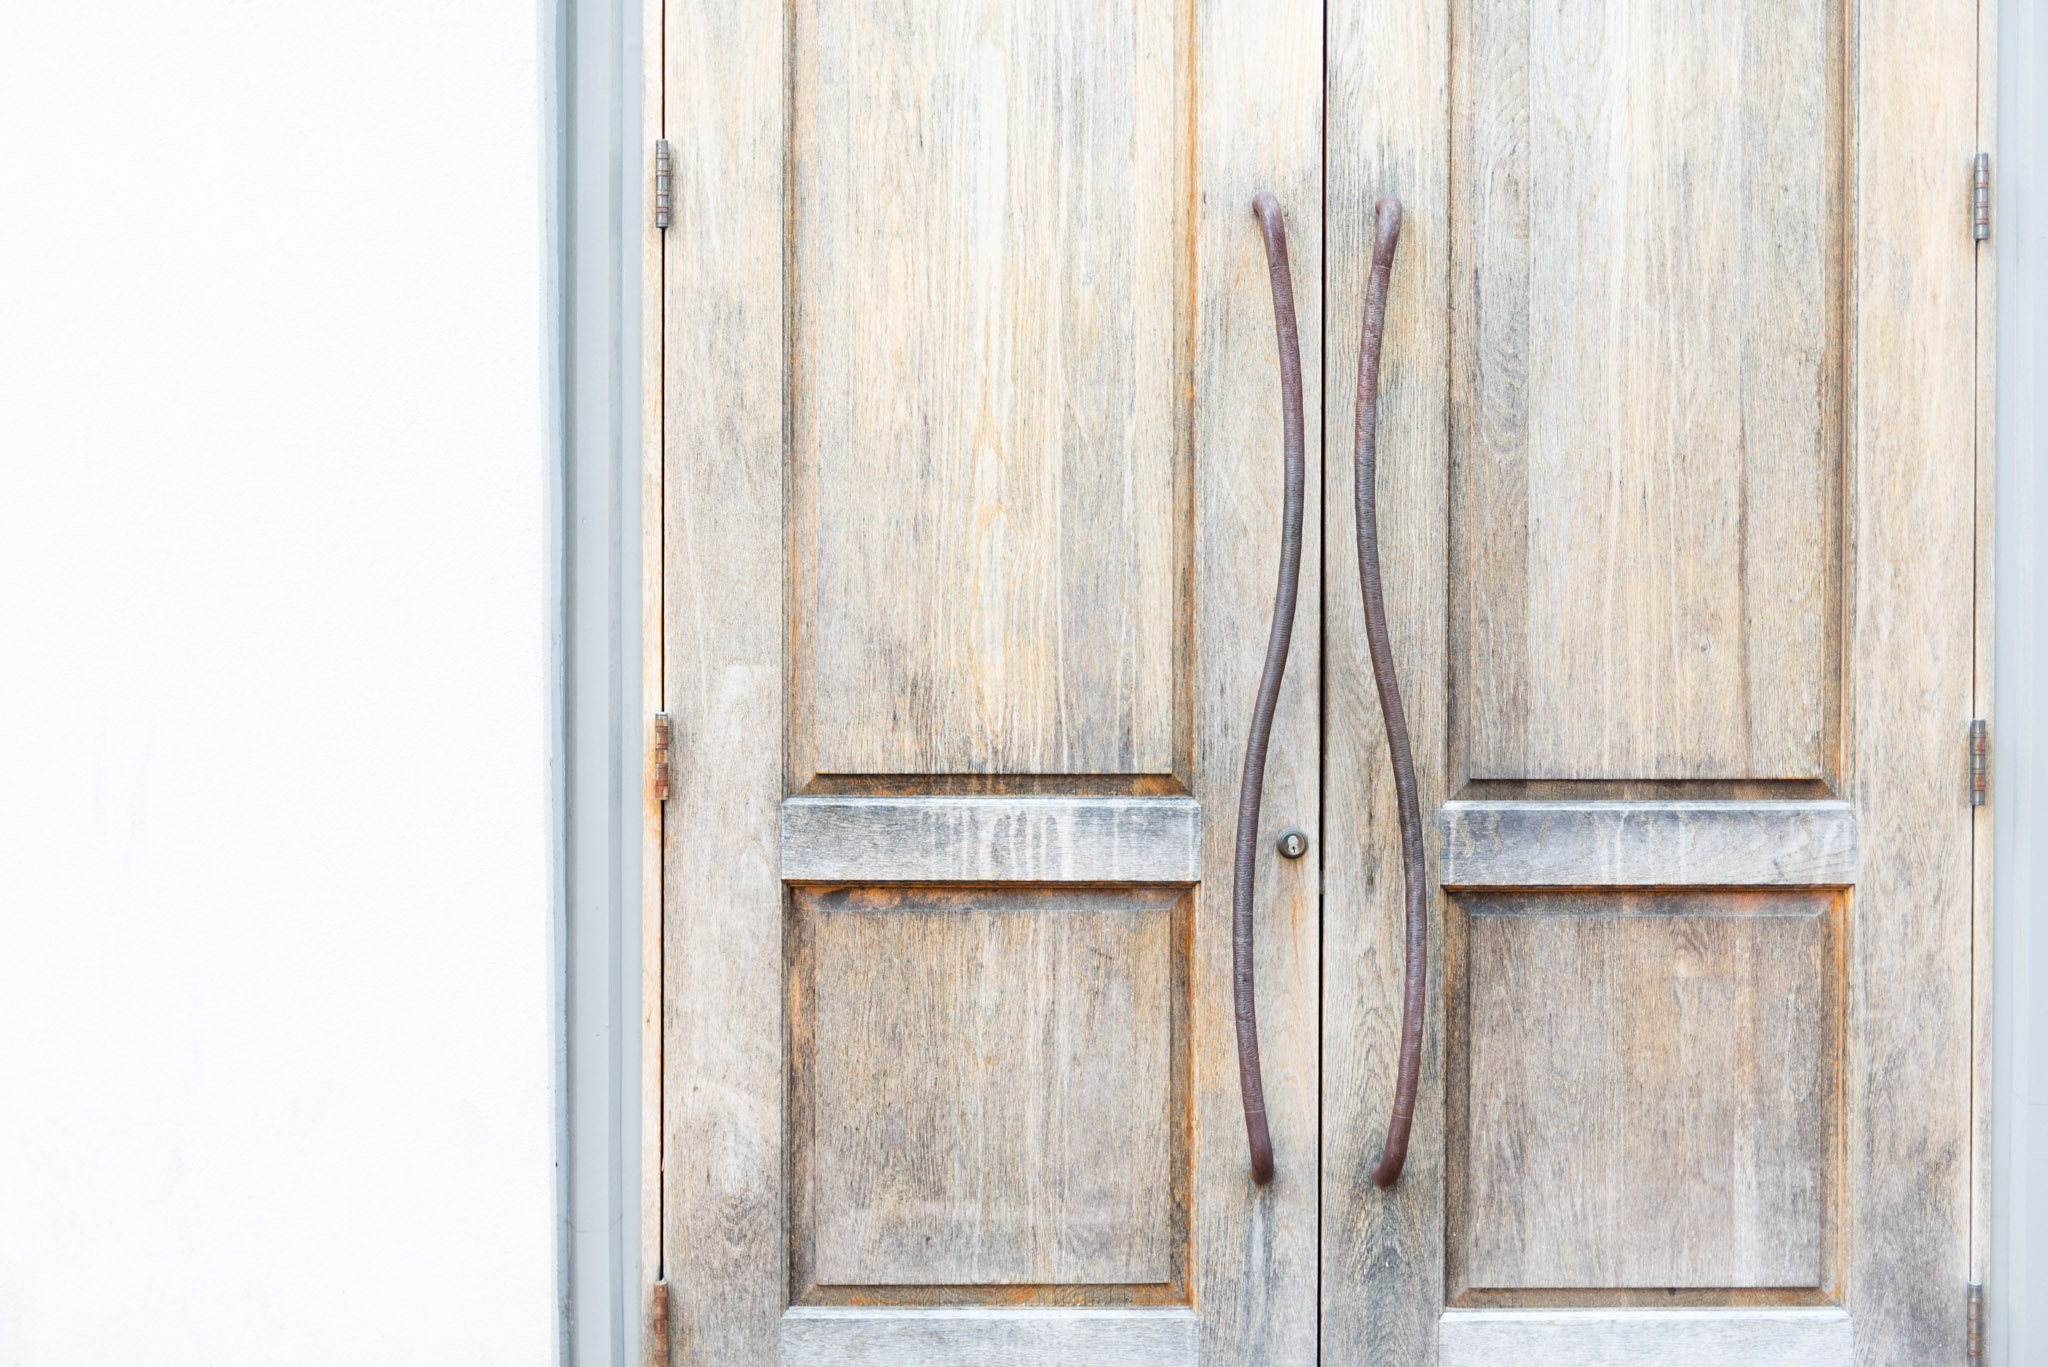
(1973, 1338)
(662, 166)
(1980, 763)
(657, 1324)
(662, 732)
(1980, 198)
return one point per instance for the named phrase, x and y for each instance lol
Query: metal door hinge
(662, 165)
(1974, 1335)
(1980, 762)
(662, 732)
(1980, 199)
(657, 1324)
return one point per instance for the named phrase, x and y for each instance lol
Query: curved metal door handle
(1254, 783)
(1409, 1069)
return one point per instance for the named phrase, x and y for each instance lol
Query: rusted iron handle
(1253, 787)
(1409, 1069)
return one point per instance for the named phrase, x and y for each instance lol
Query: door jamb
(653, 656)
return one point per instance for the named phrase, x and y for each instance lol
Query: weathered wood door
(972, 495)
(1678, 456)
(970, 483)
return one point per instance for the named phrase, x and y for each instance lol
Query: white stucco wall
(275, 1052)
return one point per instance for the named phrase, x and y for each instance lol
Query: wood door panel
(988, 273)
(971, 469)
(989, 1086)
(1645, 1090)
(1675, 504)
(1646, 351)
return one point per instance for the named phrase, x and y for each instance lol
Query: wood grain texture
(1914, 414)
(1685, 521)
(989, 392)
(1637, 844)
(1727, 634)
(1030, 1337)
(1258, 89)
(1382, 1264)
(722, 373)
(986, 1086)
(1651, 1089)
(1646, 360)
(992, 839)
(987, 267)
(1638, 1338)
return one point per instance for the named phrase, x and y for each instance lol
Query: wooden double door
(971, 490)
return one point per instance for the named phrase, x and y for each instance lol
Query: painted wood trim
(992, 839)
(653, 658)
(1637, 844)
(829, 1336)
(1626, 1338)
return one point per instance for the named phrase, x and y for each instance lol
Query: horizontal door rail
(1710, 1338)
(991, 840)
(1647, 844)
(977, 1336)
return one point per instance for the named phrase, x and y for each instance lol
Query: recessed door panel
(1644, 1090)
(990, 1089)
(1647, 254)
(988, 269)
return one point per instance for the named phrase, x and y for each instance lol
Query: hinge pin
(662, 732)
(1980, 762)
(1980, 199)
(662, 164)
(1974, 1333)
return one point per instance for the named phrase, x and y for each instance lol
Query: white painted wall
(275, 1048)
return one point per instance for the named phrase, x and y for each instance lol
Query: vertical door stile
(1387, 133)
(722, 647)
(1258, 79)
(1915, 508)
